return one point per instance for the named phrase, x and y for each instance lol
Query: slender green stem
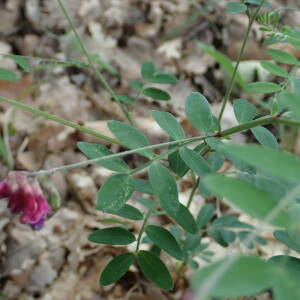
(91, 63)
(160, 156)
(117, 155)
(242, 127)
(181, 143)
(233, 77)
(193, 191)
(142, 230)
(288, 122)
(59, 120)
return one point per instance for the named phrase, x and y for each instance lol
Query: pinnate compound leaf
(169, 124)
(156, 94)
(244, 111)
(292, 102)
(185, 219)
(114, 193)
(265, 137)
(112, 236)
(236, 8)
(263, 87)
(154, 269)
(195, 161)
(116, 268)
(248, 198)
(272, 161)
(92, 150)
(164, 187)
(244, 276)
(198, 112)
(8, 75)
(164, 240)
(130, 136)
(282, 56)
(274, 69)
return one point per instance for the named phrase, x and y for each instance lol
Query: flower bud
(50, 192)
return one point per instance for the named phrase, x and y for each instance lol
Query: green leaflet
(164, 240)
(116, 268)
(272, 161)
(169, 124)
(248, 198)
(154, 269)
(130, 136)
(92, 151)
(198, 111)
(244, 276)
(112, 236)
(114, 193)
(164, 187)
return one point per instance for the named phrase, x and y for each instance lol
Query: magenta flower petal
(3, 189)
(25, 197)
(16, 203)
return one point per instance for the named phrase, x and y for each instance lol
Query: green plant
(263, 183)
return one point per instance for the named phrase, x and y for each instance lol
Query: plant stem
(242, 127)
(192, 194)
(142, 230)
(91, 63)
(158, 157)
(117, 155)
(233, 77)
(181, 143)
(59, 120)
(288, 122)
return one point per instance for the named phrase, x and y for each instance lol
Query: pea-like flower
(26, 198)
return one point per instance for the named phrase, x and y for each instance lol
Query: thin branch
(91, 63)
(233, 77)
(59, 120)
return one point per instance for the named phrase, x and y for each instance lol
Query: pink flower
(25, 197)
